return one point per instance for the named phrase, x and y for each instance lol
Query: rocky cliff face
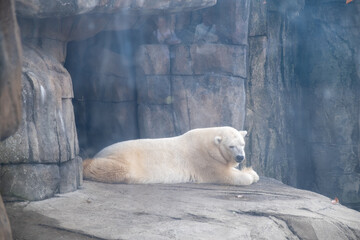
(271, 89)
(287, 71)
(42, 157)
(138, 88)
(302, 101)
(330, 84)
(10, 88)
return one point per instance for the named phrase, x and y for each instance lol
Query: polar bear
(203, 155)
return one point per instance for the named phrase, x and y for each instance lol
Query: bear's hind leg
(105, 170)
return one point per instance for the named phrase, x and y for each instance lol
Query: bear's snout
(239, 158)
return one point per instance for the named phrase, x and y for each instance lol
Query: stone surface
(155, 121)
(154, 90)
(208, 101)
(61, 8)
(10, 70)
(153, 59)
(210, 58)
(258, 18)
(29, 181)
(47, 133)
(119, 119)
(5, 229)
(234, 20)
(47, 136)
(102, 75)
(332, 100)
(185, 211)
(105, 94)
(70, 174)
(302, 101)
(272, 107)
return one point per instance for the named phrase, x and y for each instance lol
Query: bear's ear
(243, 133)
(218, 140)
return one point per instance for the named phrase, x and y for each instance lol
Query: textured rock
(155, 121)
(234, 20)
(29, 181)
(5, 230)
(101, 75)
(153, 59)
(185, 211)
(302, 101)
(119, 119)
(173, 103)
(47, 133)
(10, 70)
(331, 92)
(208, 101)
(70, 175)
(60, 8)
(272, 112)
(154, 90)
(75, 27)
(210, 58)
(105, 95)
(258, 18)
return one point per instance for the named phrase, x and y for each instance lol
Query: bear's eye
(231, 146)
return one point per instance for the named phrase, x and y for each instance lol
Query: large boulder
(46, 139)
(265, 210)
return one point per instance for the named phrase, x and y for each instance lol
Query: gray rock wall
(10, 71)
(330, 89)
(271, 91)
(160, 90)
(41, 158)
(35, 157)
(105, 102)
(287, 71)
(190, 86)
(302, 95)
(10, 88)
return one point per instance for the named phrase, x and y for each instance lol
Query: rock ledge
(185, 211)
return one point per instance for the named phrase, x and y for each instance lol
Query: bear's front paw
(253, 174)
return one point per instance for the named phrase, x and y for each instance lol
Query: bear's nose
(239, 158)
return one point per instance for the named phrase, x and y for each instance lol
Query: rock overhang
(67, 8)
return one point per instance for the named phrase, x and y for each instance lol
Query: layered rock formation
(272, 96)
(190, 86)
(10, 71)
(136, 89)
(42, 157)
(265, 210)
(10, 88)
(286, 71)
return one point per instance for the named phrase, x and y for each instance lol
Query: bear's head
(232, 146)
